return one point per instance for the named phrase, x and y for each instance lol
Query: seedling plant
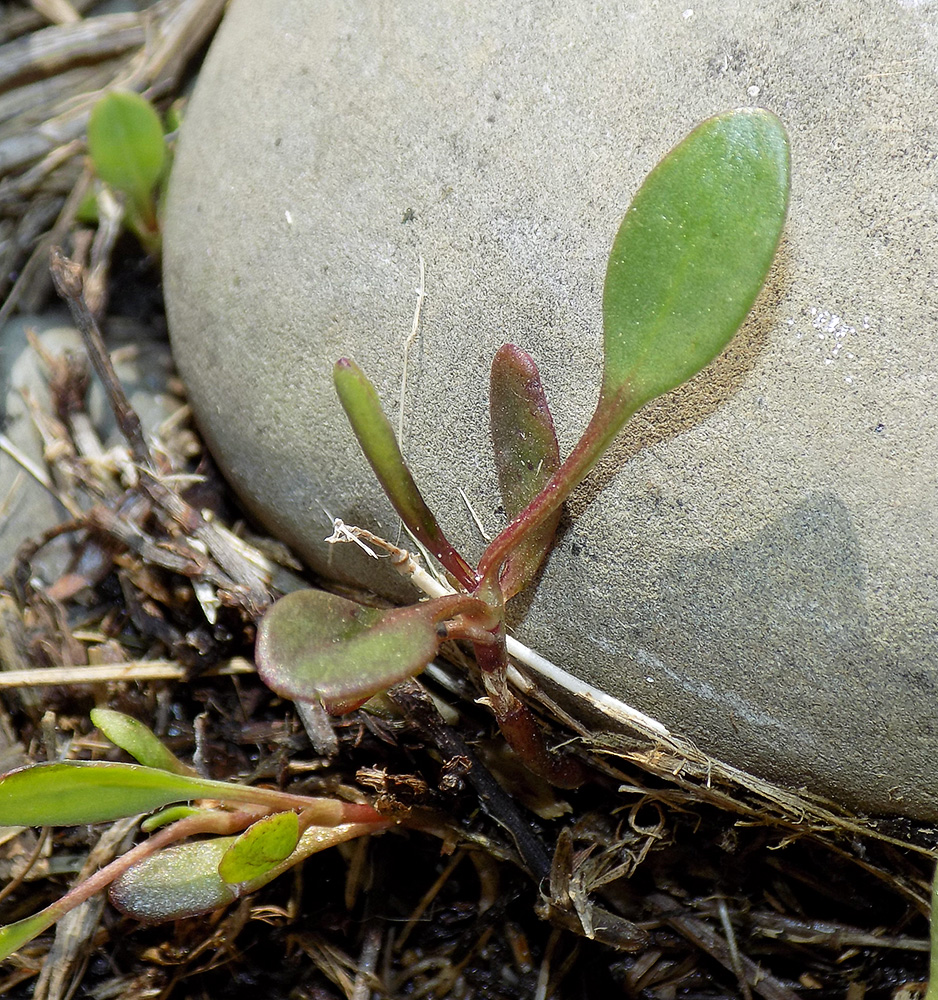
(129, 153)
(689, 258)
(250, 835)
(686, 265)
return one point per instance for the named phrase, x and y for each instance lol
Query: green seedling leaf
(174, 115)
(379, 443)
(166, 816)
(74, 792)
(261, 847)
(179, 881)
(526, 455)
(183, 880)
(87, 212)
(312, 645)
(14, 936)
(691, 255)
(138, 740)
(127, 148)
(526, 449)
(80, 791)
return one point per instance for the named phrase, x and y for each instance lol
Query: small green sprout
(688, 261)
(129, 153)
(255, 834)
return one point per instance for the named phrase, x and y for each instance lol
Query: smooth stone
(28, 508)
(762, 573)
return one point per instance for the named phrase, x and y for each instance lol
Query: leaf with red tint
(526, 456)
(313, 645)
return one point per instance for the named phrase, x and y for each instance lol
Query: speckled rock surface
(762, 573)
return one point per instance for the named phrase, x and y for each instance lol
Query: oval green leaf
(692, 253)
(261, 847)
(313, 645)
(127, 147)
(138, 740)
(80, 791)
(689, 259)
(180, 881)
(183, 880)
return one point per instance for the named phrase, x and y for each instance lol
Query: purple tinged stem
(607, 420)
(218, 822)
(517, 722)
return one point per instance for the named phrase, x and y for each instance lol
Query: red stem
(216, 822)
(326, 812)
(210, 822)
(604, 425)
(517, 722)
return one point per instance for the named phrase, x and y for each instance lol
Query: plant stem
(356, 813)
(517, 722)
(13, 936)
(608, 419)
(320, 811)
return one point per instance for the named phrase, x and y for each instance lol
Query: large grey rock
(762, 573)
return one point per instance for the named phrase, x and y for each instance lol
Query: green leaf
(179, 881)
(183, 880)
(526, 455)
(313, 645)
(138, 740)
(127, 148)
(523, 436)
(81, 791)
(14, 936)
(164, 817)
(692, 253)
(174, 115)
(74, 792)
(261, 847)
(87, 212)
(379, 443)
